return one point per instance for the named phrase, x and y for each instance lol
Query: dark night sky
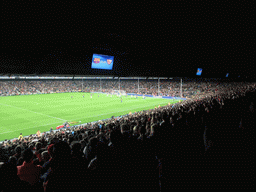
(158, 39)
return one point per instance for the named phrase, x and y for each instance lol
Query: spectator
(45, 167)
(45, 156)
(142, 132)
(28, 171)
(38, 133)
(90, 150)
(38, 151)
(83, 143)
(20, 137)
(20, 161)
(3, 156)
(77, 153)
(109, 164)
(18, 150)
(9, 180)
(66, 170)
(13, 160)
(47, 163)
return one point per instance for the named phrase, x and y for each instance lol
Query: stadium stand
(147, 150)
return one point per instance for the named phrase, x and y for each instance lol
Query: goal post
(118, 92)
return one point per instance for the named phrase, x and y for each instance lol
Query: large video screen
(102, 62)
(199, 71)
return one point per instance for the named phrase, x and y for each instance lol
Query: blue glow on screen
(102, 62)
(199, 71)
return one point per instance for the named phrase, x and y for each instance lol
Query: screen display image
(102, 62)
(199, 71)
(227, 75)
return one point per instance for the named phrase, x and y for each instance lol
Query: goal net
(119, 93)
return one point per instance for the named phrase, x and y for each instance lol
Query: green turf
(28, 113)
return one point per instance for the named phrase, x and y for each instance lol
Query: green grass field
(28, 113)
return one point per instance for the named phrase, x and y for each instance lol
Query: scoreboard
(102, 62)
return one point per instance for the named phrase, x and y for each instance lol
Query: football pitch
(28, 113)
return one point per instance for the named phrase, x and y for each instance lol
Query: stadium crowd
(147, 87)
(121, 153)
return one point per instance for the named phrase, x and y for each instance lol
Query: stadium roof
(170, 38)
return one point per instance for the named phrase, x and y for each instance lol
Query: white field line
(79, 118)
(32, 111)
(24, 101)
(66, 116)
(119, 111)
